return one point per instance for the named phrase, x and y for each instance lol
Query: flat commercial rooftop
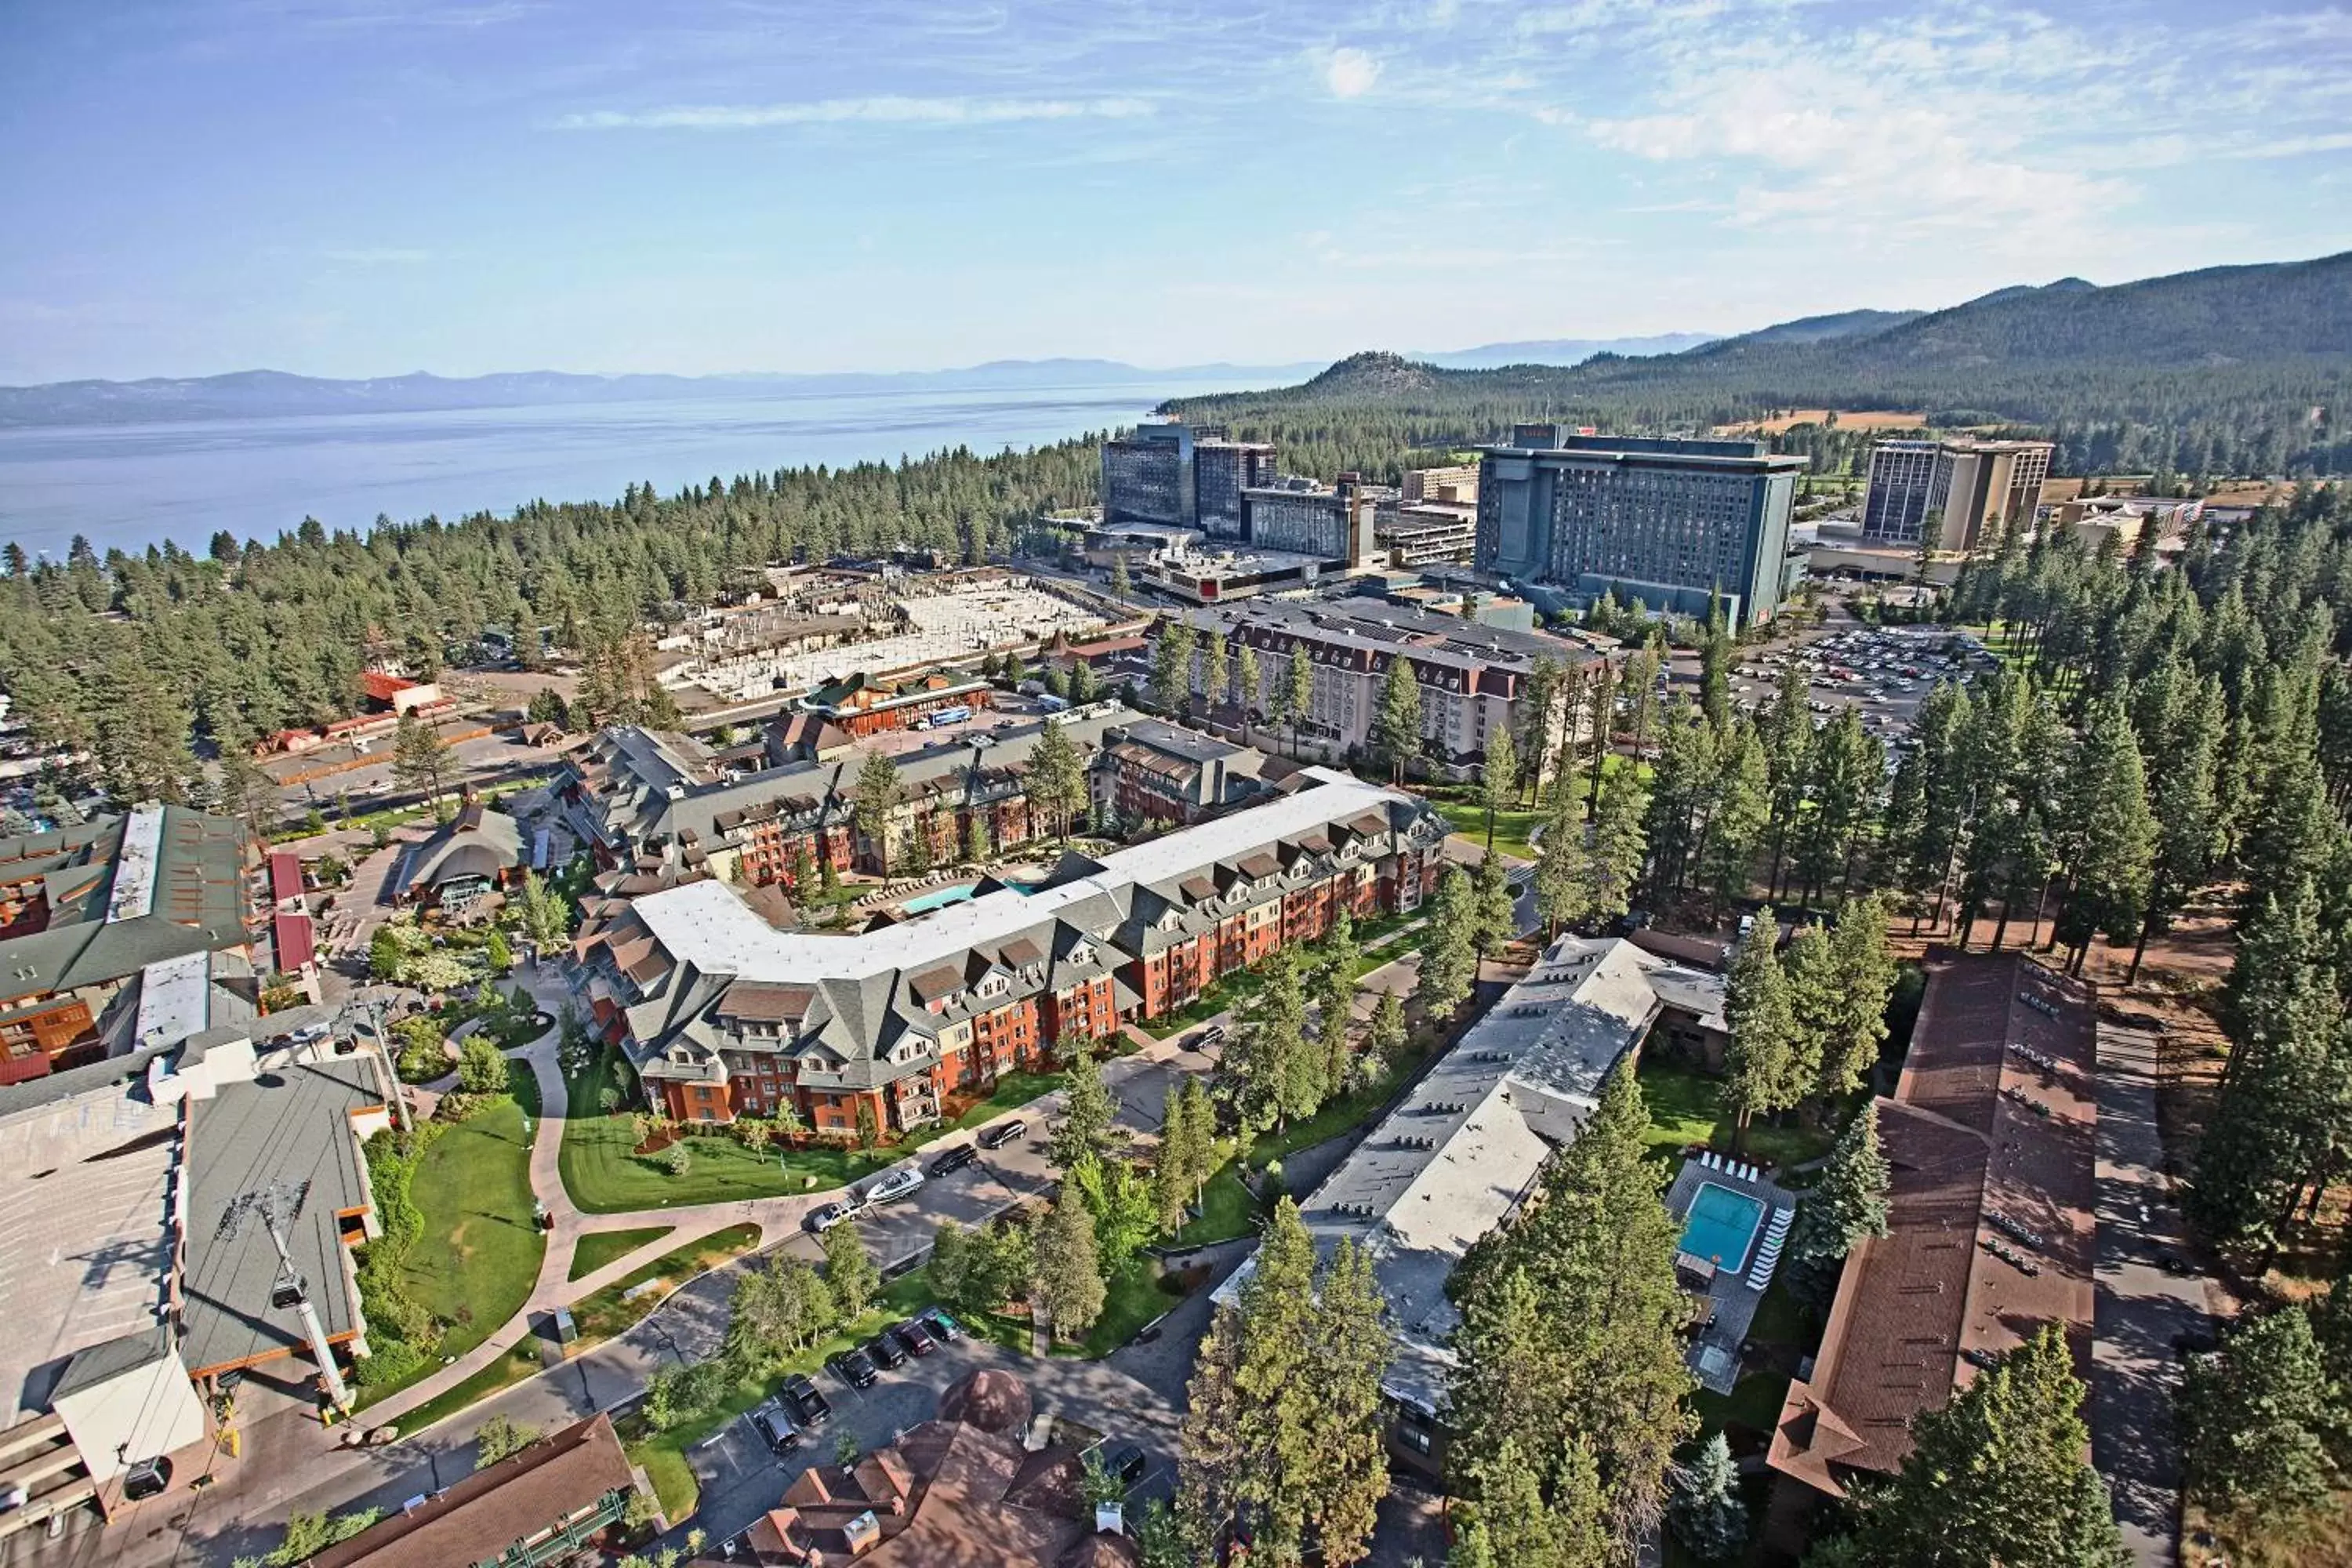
(1457, 1155)
(86, 1194)
(708, 925)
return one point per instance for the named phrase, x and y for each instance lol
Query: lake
(132, 485)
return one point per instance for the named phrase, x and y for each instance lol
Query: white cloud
(1349, 72)
(884, 110)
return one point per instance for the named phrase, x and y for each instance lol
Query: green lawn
(1686, 1109)
(598, 1317)
(1134, 1298)
(1227, 1211)
(598, 1247)
(480, 1255)
(604, 1313)
(603, 1176)
(1468, 817)
(504, 1372)
(662, 1454)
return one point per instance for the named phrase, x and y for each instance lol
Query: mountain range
(270, 393)
(2269, 343)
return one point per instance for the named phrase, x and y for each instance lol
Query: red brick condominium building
(725, 1016)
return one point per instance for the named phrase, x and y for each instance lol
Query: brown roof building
(1989, 1137)
(950, 1493)
(541, 1506)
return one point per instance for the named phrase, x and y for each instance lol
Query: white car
(892, 1185)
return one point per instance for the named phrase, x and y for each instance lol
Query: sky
(365, 188)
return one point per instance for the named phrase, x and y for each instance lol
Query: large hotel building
(1980, 491)
(725, 1016)
(1676, 524)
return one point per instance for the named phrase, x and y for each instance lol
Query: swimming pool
(1722, 1225)
(940, 898)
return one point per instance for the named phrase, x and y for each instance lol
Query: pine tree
(1171, 668)
(2257, 1418)
(1200, 1143)
(1067, 1286)
(1571, 1331)
(1814, 983)
(1285, 1412)
(2113, 833)
(1122, 584)
(1498, 784)
(849, 1272)
(1089, 1127)
(1999, 1475)
(1449, 961)
(1762, 1061)
(1494, 907)
(1171, 1173)
(1396, 727)
(1056, 777)
(1540, 695)
(1787, 732)
(1273, 1070)
(1705, 1510)
(1850, 1200)
(1213, 667)
(1614, 849)
(1250, 684)
(1299, 692)
(1388, 1033)
(875, 805)
(421, 760)
(1559, 868)
(1866, 973)
(1336, 1000)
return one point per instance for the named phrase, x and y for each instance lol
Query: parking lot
(1885, 672)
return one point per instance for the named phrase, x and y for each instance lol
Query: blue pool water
(1722, 1225)
(940, 898)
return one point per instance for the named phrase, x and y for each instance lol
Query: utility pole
(278, 1206)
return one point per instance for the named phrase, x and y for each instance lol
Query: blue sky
(352, 187)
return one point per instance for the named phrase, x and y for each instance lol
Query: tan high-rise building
(1981, 490)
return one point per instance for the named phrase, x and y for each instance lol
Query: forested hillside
(121, 653)
(2232, 370)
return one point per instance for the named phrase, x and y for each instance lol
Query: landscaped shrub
(397, 1323)
(677, 1160)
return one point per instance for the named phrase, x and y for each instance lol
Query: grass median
(604, 1174)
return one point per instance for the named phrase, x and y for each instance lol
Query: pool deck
(1734, 1293)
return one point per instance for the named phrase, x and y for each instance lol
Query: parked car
(915, 1338)
(1004, 1132)
(883, 1352)
(943, 1328)
(953, 1159)
(809, 1404)
(775, 1428)
(1127, 1463)
(891, 1186)
(823, 1219)
(854, 1367)
(1208, 1036)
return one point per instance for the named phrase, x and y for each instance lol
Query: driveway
(2140, 1309)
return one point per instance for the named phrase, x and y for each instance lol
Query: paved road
(2141, 1310)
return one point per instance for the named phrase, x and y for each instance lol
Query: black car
(808, 1401)
(954, 1160)
(913, 1338)
(1004, 1133)
(775, 1428)
(852, 1367)
(944, 1328)
(885, 1352)
(1126, 1464)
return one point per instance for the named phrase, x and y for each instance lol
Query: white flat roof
(133, 896)
(707, 925)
